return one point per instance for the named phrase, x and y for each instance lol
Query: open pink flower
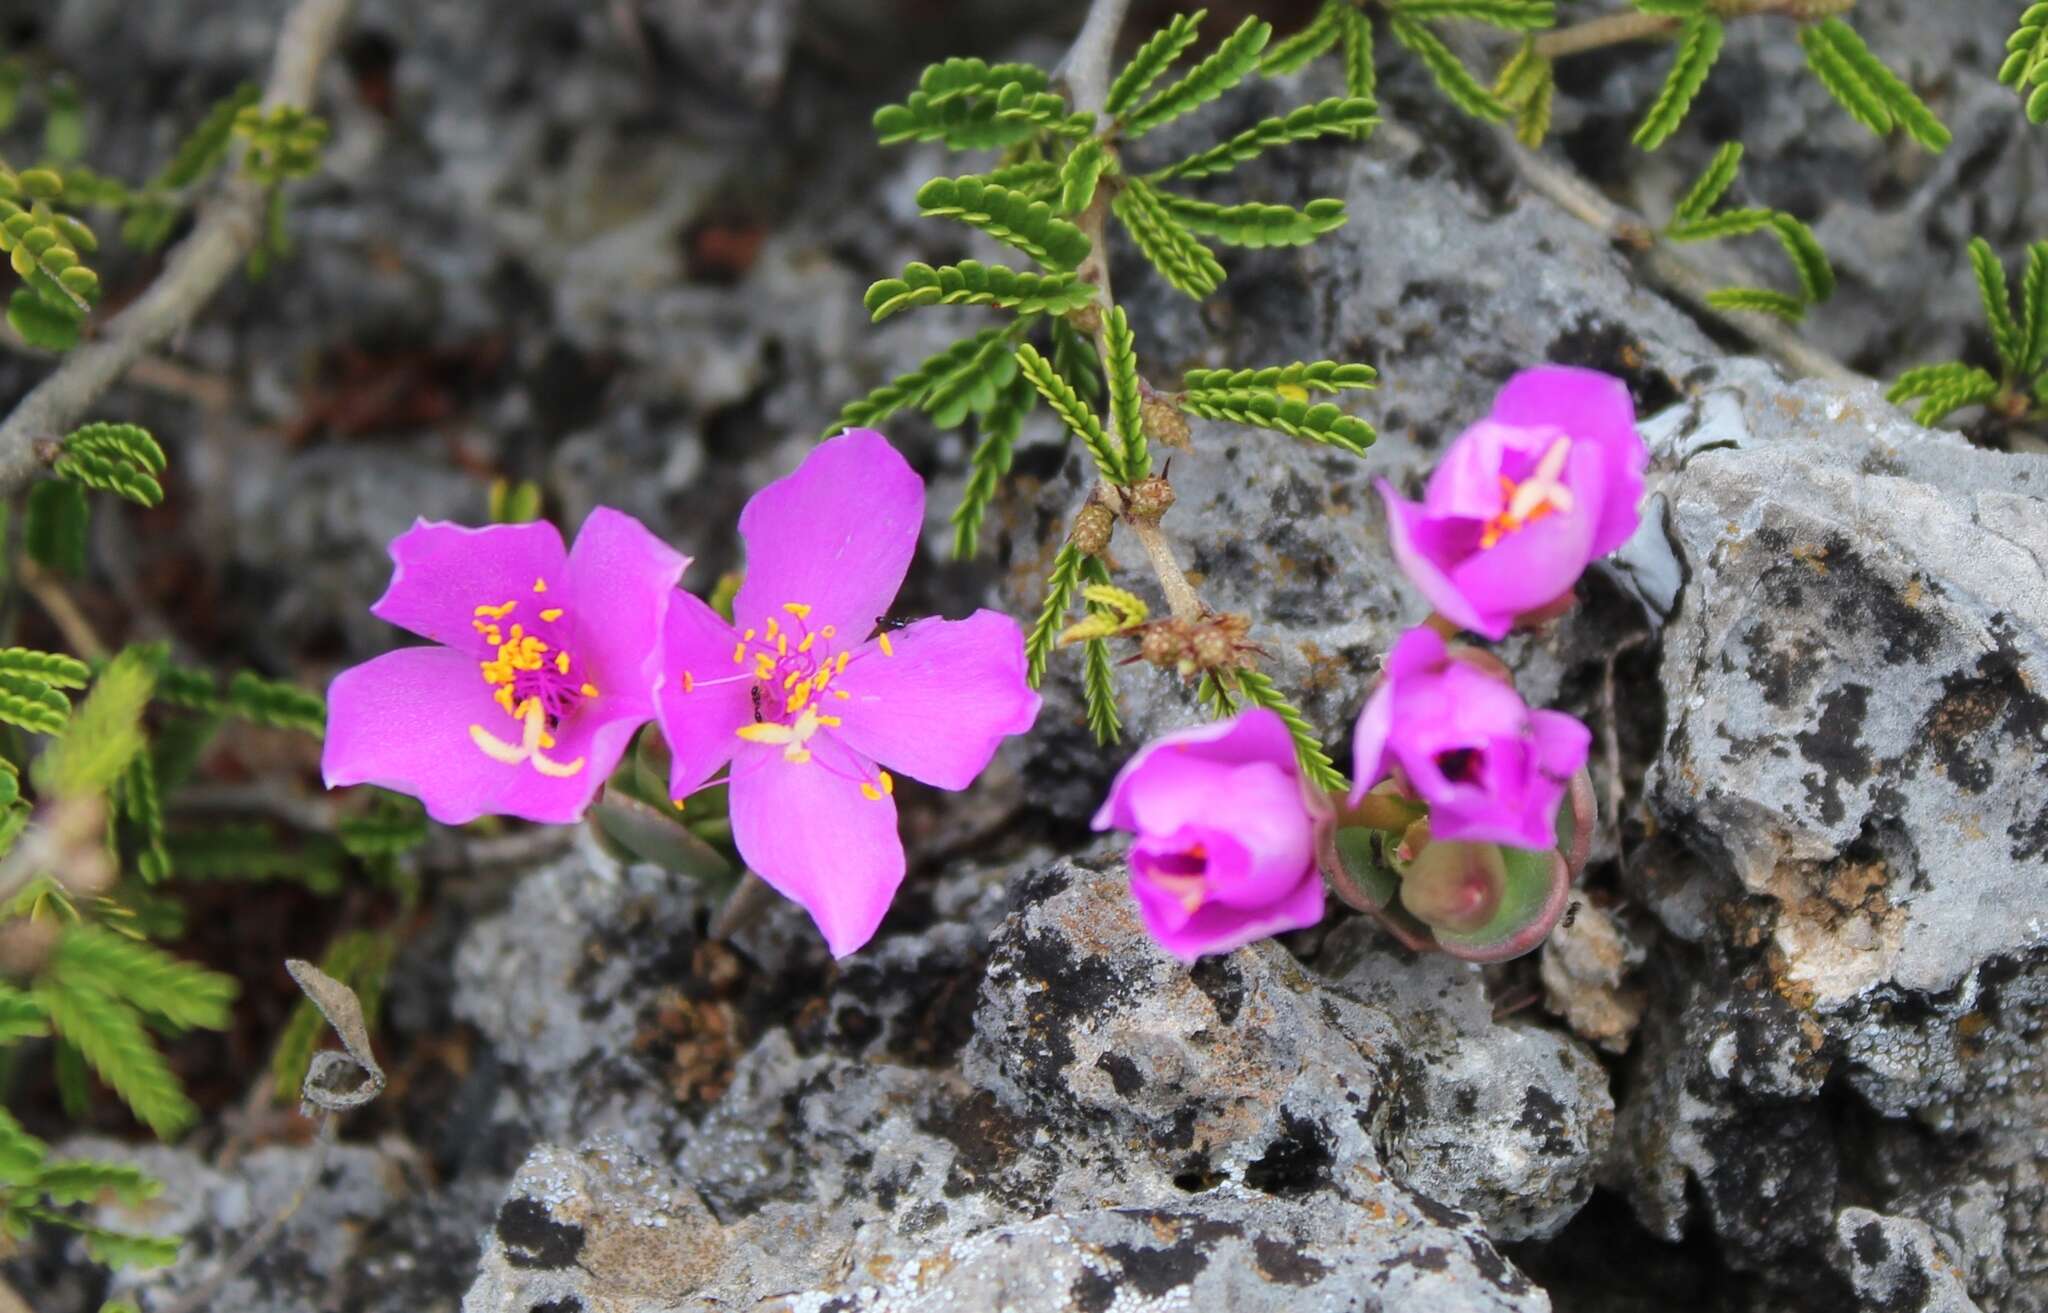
(1524, 499)
(808, 708)
(1225, 847)
(1490, 769)
(541, 667)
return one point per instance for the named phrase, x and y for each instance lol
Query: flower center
(789, 669)
(1459, 765)
(1182, 874)
(1533, 498)
(538, 683)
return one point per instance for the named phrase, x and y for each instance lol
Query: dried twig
(227, 231)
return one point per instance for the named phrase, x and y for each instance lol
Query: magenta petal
(1538, 563)
(1369, 742)
(700, 705)
(1589, 406)
(620, 580)
(818, 841)
(402, 722)
(1255, 734)
(1270, 842)
(837, 535)
(1466, 482)
(1405, 525)
(1215, 928)
(1561, 742)
(938, 708)
(442, 572)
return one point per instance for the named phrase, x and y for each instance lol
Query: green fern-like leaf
(1699, 45)
(1297, 51)
(142, 804)
(84, 1181)
(1060, 588)
(1337, 116)
(147, 978)
(1098, 683)
(1255, 225)
(2034, 309)
(1941, 390)
(2007, 335)
(1761, 300)
(1873, 94)
(991, 461)
(1007, 216)
(207, 145)
(246, 852)
(2026, 64)
(907, 390)
(1176, 253)
(112, 1248)
(1322, 423)
(118, 458)
(1125, 395)
(104, 734)
(279, 706)
(33, 705)
(972, 383)
(1526, 85)
(109, 1036)
(1035, 178)
(1514, 15)
(1728, 223)
(1809, 261)
(1449, 72)
(21, 1017)
(1079, 173)
(1308, 376)
(1077, 415)
(1260, 691)
(1153, 58)
(53, 530)
(52, 668)
(1361, 76)
(1074, 357)
(1712, 185)
(971, 282)
(1228, 65)
(21, 1154)
(40, 324)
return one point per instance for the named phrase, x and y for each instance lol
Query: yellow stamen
(497, 612)
(764, 732)
(782, 645)
(829, 631)
(749, 635)
(870, 792)
(540, 585)
(883, 639)
(773, 628)
(532, 739)
(562, 663)
(689, 684)
(841, 694)
(797, 755)
(739, 653)
(798, 609)
(589, 690)
(832, 721)
(552, 614)
(805, 646)
(888, 782)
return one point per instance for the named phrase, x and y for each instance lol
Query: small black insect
(1571, 914)
(756, 691)
(885, 624)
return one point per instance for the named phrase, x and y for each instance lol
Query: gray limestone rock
(1895, 1263)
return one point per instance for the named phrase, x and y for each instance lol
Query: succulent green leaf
(1873, 94)
(1942, 390)
(1728, 223)
(1809, 261)
(53, 668)
(32, 704)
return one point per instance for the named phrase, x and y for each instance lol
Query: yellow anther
(689, 685)
(782, 645)
(841, 694)
(883, 639)
(552, 614)
(588, 690)
(676, 803)
(839, 666)
(829, 631)
(765, 732)
(749, 635)
(562, 663)
(832, 721)
(800, 610)
(540, 585)
(498, 612)
(789, 681)
(888, 782)
(805, 646)
(774, 627)
(870, 792)
(739, 653)
(796, 754)
(533, 738)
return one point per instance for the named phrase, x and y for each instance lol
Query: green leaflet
(2026, 64)
(1514, 15)
(1252, 224)
(2007, 335)
(1098, 686)
(1079, 173)
(1711, 185)
(1260, 691)
(911, 389)
(1310, 376)
(1699, 45)
(1941, 390)
(1360, 75)
(991, 461)
(1295, 52)
(1008, 216)
(971, 282)
(1124, 397)
(1760, 299)
(1060, 588)
(1873, 94)
(1153, 58)
(1176, 253)
(1339, 115)
(1077, 415)
(1450, 74)
(1229, 64)
(1322, 422)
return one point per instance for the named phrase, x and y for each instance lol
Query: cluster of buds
(1214, 643)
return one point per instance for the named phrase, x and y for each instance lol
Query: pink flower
(808, 708)
(1225, 852)
(542, 665)
(1490, 769)
(1524, 499)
